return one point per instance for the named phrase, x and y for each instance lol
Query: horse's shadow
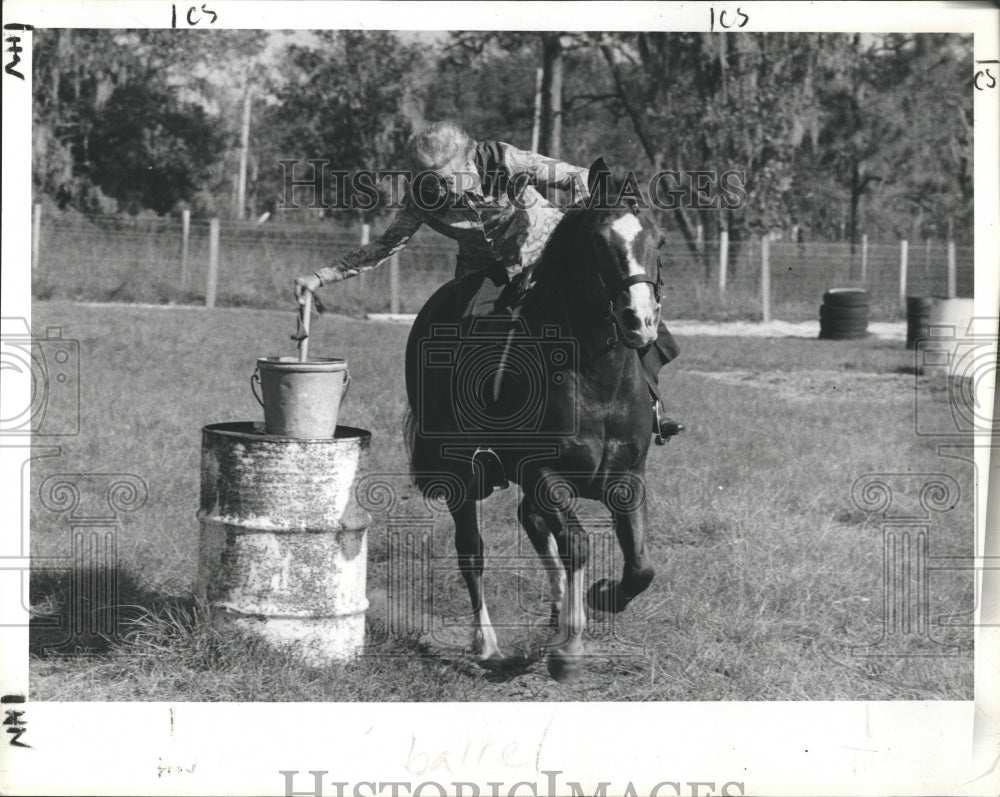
(508, 668)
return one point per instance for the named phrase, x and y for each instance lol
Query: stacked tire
(844, 314)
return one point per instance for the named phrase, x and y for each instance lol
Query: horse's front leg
(549, 504)
(469, 547)
(625, 498)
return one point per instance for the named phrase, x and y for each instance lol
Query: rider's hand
(304, 285)
(307, 286)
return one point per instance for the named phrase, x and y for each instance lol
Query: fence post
(213, 263)
(765, 277)
(185, 243)
(394, 283)
(36, 235)
(903, 251)
(699, 237)
(952, 272)
(723, 260)
(366, 234)
(864, 259)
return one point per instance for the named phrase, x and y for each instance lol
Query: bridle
(618, 286)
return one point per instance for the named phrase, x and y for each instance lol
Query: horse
(550, 396)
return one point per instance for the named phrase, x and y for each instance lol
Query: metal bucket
(284, 544)
(301, 399)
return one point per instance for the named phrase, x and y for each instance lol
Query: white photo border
(942, 747)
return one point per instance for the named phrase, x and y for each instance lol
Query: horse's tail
(410, 436)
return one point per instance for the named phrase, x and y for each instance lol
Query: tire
(843, 329)
(835, 313)
(843, 335)
(846, 297)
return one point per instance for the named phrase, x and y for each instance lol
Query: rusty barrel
(284, 543)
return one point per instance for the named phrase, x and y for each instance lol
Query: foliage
(131, 115)
(346, 100)
(836, 134)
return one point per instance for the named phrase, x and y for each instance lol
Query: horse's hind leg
(469, 546)
(551, 499)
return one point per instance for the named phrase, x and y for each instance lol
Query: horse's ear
(597, 177)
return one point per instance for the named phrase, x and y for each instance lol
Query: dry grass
(767, 573)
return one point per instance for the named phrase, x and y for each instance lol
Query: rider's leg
(653, 358)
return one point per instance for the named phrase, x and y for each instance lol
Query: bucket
(301, 399)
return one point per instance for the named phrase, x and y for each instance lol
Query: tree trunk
(552, 69)
(857, 187)
(653, 153)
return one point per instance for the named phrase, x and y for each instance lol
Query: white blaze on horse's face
(637, 310)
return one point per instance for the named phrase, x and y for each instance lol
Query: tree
(120, 107)
(346, 101)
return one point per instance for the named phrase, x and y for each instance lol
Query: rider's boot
(664, 427)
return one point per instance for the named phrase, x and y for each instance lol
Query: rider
(459, 188)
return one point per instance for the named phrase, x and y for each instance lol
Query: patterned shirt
(505, 225)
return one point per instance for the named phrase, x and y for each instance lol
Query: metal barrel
(284, 543)
(918, 313)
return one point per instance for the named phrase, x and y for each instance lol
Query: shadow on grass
(90, 611)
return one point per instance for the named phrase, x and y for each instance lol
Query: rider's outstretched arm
(546, 172)
(373, 254)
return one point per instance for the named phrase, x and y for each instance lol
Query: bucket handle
(347, 385)
(254, 381)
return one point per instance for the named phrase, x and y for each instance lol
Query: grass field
(767, 572)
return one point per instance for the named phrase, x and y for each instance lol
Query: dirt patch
(820, 384)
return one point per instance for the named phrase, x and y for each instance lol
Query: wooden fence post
(366, 234)
(903, 252)
(952, 271)
(864, 259)
(765, 277)
(394, 283)
(213, 263)
(723, 260)
(36, 235)
(185, 243)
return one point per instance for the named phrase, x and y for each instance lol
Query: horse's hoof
(489, 657)
(607, 596)
(565, 669)
(493, 661)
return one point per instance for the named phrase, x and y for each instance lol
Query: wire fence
(123, 259)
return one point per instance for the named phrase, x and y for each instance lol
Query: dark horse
(551, 396)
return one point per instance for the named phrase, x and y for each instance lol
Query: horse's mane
(559, 271)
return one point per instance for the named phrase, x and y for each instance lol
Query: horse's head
(627, 260)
